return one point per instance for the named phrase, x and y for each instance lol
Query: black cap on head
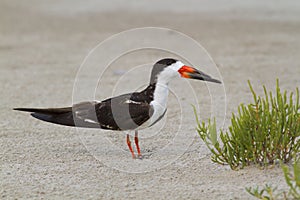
(159, 66)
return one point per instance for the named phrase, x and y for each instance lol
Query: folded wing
(119, 113)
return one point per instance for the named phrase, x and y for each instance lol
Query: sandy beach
(43, 44)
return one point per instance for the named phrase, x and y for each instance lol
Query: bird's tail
(62, 116)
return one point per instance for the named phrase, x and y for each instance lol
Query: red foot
(136, 140)
(130, 147)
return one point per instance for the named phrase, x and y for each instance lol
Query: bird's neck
(160, 95)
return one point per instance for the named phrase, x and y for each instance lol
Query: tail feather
(46, 110)
(62, 116)
(62, 119)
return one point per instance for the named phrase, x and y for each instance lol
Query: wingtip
(24, 109)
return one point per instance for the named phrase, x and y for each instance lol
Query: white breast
(159, 104)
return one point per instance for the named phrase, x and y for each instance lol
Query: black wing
(63, 116)
(124, 112)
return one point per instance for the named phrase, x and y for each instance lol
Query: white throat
(161, 92)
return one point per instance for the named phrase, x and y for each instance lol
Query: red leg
(129, 146)
(136, 140)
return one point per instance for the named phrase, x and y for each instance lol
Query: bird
(128, 112)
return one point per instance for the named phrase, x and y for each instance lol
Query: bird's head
(166, 69)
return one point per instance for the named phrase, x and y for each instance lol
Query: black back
(126, 112)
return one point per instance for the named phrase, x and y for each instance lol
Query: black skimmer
(133, 111)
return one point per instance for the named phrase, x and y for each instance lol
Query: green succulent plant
(263, 132)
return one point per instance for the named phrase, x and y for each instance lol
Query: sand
(43, 44)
